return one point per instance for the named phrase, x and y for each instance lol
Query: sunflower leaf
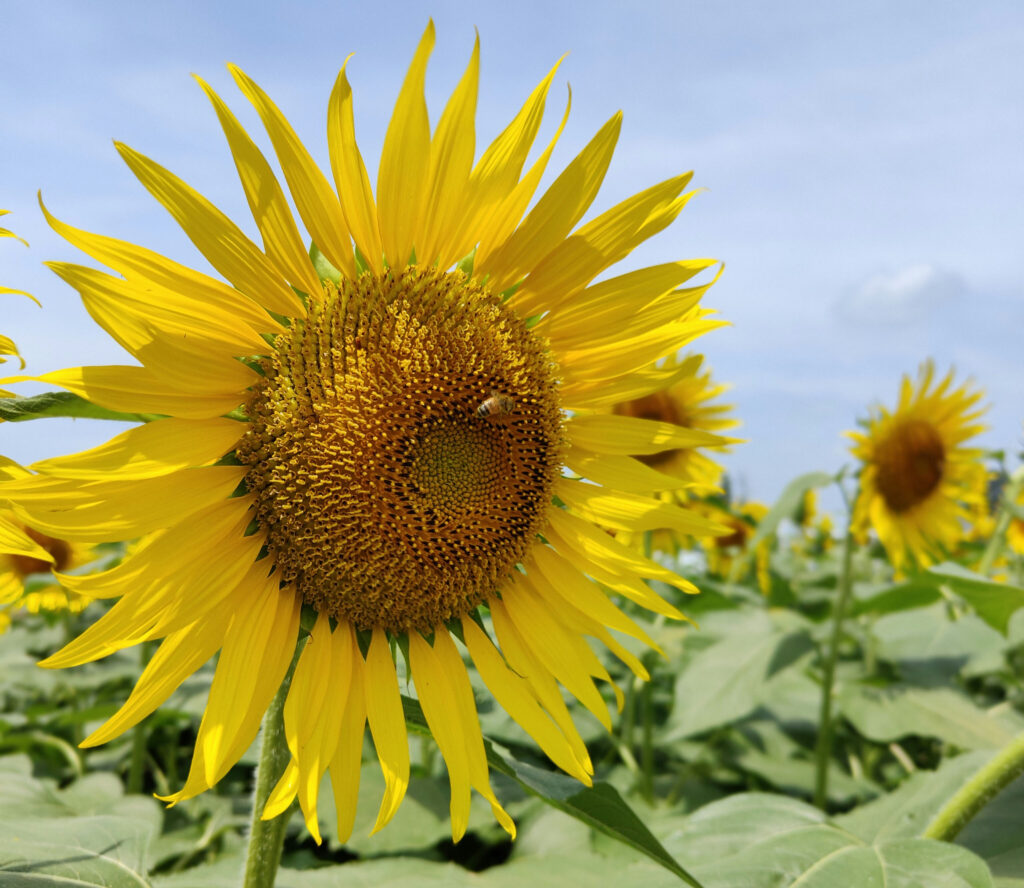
(599, 806)
(993, 601)
(66, 404)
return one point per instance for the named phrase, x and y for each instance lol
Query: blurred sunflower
(688, 402)
(722, 550)
(917, 477)
(385, 447)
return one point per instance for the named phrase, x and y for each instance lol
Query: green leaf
(891, 713)
(902, 597)
(599, 806)
(763, 841)
(66, 404)
(787, 504)
(324, 270)
(726, 681)
(997, 835)
(994, 602)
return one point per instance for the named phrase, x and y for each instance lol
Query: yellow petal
(152, 449)
(103, 511)
(630, 436)
(350, 175)
(347, 759)
(514, 696)
(621, 472)
(257, 650)
(632, 512)
(7, 347)
(557, 211)
(437, 697)
(574, 262)
(387, 725)
(166, 279)
(267, 202)
(135, 390)
(496, 222)
(14, 541)
(604, 393)
(315, 200)
(405, 161)
(179, 655)
(215, 235)
(451, 159)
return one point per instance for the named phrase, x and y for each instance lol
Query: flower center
(25, 565)
(910, 462)
(660, 408)
(403, 445)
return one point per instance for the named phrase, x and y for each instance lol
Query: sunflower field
(416, 562)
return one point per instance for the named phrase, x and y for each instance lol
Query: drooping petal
(348, 752)
(387, 725)
(152, 449)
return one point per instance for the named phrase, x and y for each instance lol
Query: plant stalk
(998, 540)
(266, 837)
(823, 751)
(977, 792)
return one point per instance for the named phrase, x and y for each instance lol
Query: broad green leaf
(787, 504)
(902, 597)
(324, 270)
(905, 812)
(997, 835)
(599, 806)
(764, 841)
(66, 404)
(884, 714)
(726, 681)
(992, 601)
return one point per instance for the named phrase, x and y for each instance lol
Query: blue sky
(862, 161)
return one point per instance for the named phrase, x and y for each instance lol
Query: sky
(862, 167)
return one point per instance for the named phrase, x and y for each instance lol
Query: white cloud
(901, 297)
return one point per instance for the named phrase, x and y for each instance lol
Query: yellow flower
(385, 449)
(29, 558)
(917, 476)
(722, 550)
(688, 402)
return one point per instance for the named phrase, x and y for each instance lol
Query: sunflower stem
(978, 791)
(266, 837)
(823, 751)
(136, 766)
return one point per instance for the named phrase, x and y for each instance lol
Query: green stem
(977, 792)
(823, 751)
(998, 540)
(266, 837)
(136, 767)
(647, 749)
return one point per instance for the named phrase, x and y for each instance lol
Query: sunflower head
(917, 476)
(402, 448)
(385, 446)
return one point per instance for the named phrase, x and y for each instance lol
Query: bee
(496, 405)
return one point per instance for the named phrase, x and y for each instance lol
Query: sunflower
(917, 477)
(722, 550)
(383, 445)
(689, 402)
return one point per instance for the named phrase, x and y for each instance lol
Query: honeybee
(496, 405)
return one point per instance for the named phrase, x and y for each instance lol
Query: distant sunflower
(29, 558)
(722, 550)
(917, 476)
(384, 447)
(690, 402)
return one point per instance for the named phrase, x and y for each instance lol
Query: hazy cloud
(901, 297)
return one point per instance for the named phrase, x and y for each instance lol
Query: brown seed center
(25, 565)
(910, 462)
(403, 447)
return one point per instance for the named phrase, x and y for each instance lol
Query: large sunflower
(917, 474)
(385, 447)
